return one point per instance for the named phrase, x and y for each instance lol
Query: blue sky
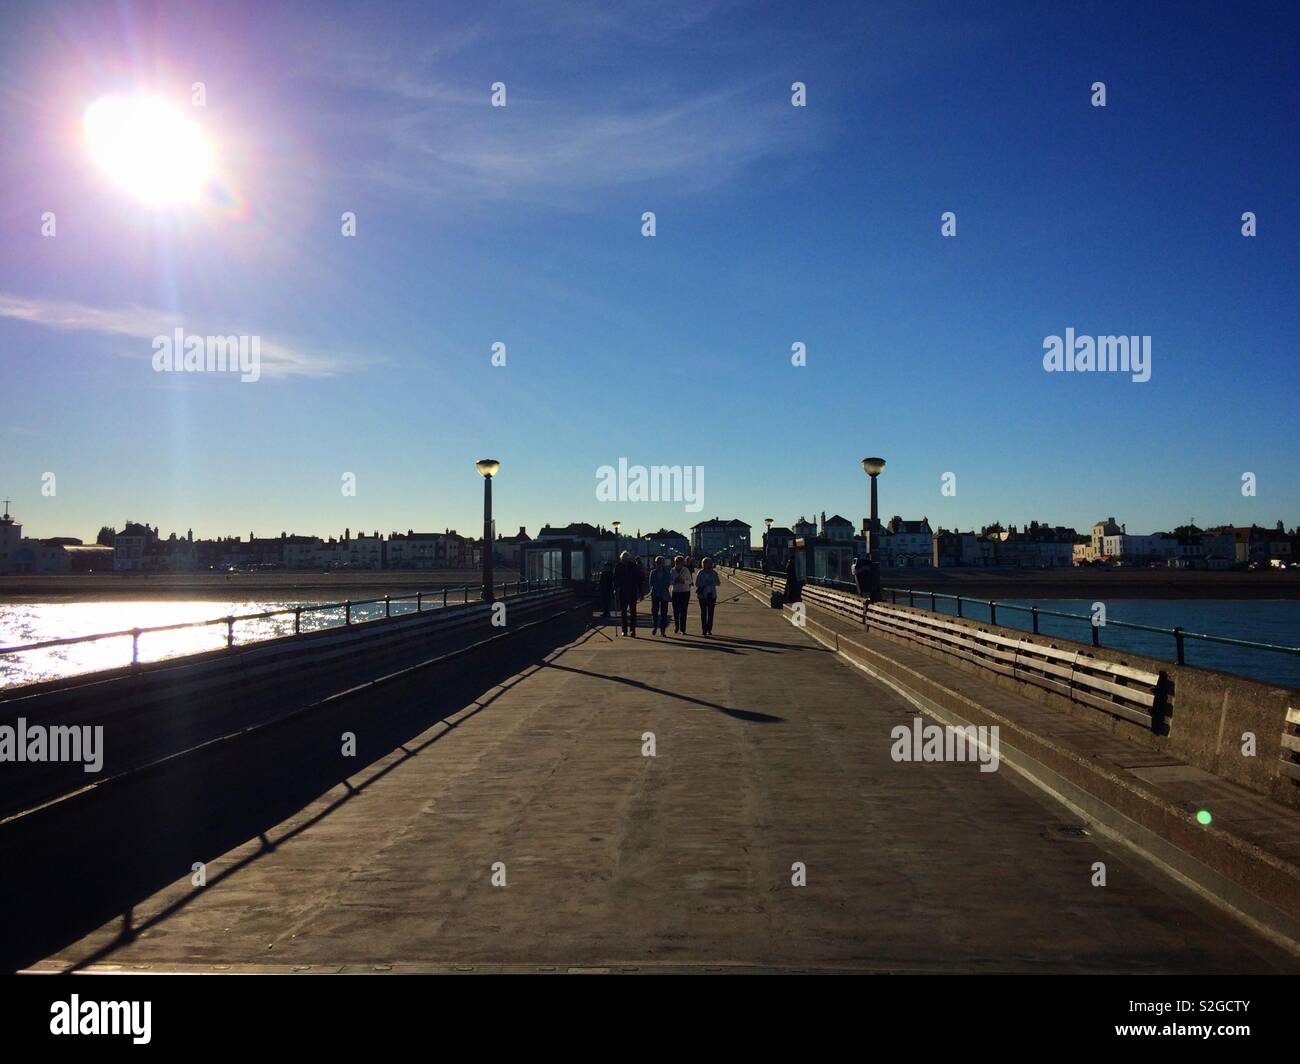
(775, 224)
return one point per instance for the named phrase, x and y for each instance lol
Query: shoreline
(303, 586)
(294, 586)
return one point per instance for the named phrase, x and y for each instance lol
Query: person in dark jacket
(791, 581)
(627, 584)
(606, 588)
(661, 583)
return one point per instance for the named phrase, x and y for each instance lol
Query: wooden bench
(850, 607)
(1290, 761)
(1137, 695)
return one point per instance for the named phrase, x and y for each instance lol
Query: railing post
(444, 598)
(1178, 641)
(347, 612)
(1033, 612)
(297, 620)
(467, 594)
(911, 599)
(958, 605)
(933, 607)
(1096, 635)
(993, 612)
(135, 646)
(388, 606)
(230, 632)
(419, 601)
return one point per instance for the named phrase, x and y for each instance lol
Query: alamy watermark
(930, 742)
(636, 483)
(37, 743)
(77, 1017)
(1098, 354)
(179, 353)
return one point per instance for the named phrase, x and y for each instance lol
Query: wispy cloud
(559, 151)
(423, 123)
(142, 323)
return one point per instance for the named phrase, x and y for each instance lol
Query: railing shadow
(70, 868)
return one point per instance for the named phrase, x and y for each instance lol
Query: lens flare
(149, 148)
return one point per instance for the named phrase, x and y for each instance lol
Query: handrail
(1179, 634)
(520, 586)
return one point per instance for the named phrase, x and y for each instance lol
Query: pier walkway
(769, 750)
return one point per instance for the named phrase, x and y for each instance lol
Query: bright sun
(150, 148)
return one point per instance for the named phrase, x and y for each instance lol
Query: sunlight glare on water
(43, 621)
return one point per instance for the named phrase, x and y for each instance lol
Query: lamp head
(873, 466)
(487, 467)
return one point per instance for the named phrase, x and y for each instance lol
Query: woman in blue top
(706, 589)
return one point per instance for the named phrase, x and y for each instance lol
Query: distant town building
(665, 542)
(507, 547)
(906, 544)
(129, 547)
(718, 537)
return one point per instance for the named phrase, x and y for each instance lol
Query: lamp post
(767, 558)
(487, 468)
(615, 525)
(873, 467)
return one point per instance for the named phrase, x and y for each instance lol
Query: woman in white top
(681, 592)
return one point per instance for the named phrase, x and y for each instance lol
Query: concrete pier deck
(769, 750)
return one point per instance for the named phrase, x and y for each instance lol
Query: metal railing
(422, 598)
(1179, 635)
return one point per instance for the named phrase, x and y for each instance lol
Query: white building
(907, 544)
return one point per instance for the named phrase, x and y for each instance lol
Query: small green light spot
(1203, 817)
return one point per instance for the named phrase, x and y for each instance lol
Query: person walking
(606, 588)
(661, 583)
(627, 583)
(791, 581)
(706, 588)
(861, 571)
(643, 582)
(681, 591)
